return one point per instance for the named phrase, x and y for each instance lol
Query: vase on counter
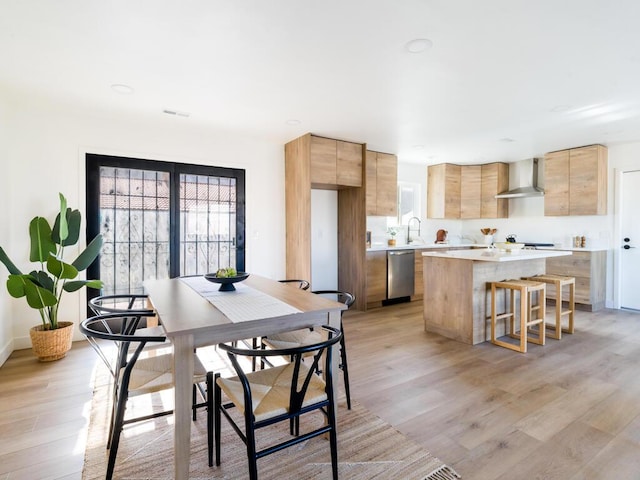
(391, 242)
(488, 239)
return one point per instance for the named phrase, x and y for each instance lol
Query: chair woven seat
(155, 373)
(271, 390)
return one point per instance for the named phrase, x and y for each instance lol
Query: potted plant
(393, 231)
(43, 287)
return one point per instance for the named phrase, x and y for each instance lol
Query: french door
(162, 220)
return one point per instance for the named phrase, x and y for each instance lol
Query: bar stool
(559, 281)
(526, 288)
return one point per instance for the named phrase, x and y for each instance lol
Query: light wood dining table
(191, 321)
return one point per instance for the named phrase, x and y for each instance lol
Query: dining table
(195, 313)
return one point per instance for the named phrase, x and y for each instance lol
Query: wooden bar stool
(559, 281)
(526, 288)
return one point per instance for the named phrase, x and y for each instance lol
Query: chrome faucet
(409, 240)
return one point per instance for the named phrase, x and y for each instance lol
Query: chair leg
(118, 423)
(251, 446)
(345, 371)
(210, 417)
(194, 401)
(216, 421)
(333, 436)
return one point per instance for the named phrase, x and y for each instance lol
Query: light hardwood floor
(568, 410)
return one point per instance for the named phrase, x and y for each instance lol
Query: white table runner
(241, 305)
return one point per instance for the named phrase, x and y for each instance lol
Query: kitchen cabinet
(309, 163)
(443, 191)
(589, 270)
(470, 191)
(376, 277)
(576, 181)
(335, 163)
(382, 184)
(495, 179)
(467, 191)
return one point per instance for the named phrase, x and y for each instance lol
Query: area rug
(368, 448)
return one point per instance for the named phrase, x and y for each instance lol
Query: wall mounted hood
(527, 186)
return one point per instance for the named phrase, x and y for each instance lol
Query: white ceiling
(504, 79)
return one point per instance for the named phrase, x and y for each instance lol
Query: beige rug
(368, 448)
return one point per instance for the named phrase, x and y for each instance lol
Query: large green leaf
(38, 297)
(90, 253)
(42, 279)
(63, 227)
(60, 269)
(8, 263)
(74, 218)
(78, 284)
(15, 285)
(41, 242)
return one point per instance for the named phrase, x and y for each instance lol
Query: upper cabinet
(576, 181)
(382, 184)
(467, 191)
(335, 163)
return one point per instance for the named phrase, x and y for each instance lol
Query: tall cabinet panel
(310, 162)
(471, 191)
(495, 178)
(443, 191)
(556, 183)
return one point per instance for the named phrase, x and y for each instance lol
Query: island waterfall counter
(457, 290)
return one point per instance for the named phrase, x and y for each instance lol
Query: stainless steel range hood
(527, 185)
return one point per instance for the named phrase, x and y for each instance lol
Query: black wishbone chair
(280, 393)
(137, 371)
(306, 336)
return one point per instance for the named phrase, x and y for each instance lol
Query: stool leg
(524, 307)
(493, 313)
(572, 306)
(558, 334)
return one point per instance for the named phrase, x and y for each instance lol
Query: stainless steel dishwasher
(400, 273)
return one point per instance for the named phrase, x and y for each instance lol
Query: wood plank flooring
(569, 410)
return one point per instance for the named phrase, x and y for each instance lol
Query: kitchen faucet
(409, 228)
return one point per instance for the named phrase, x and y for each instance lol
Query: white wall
(46, 144)
(6, 336)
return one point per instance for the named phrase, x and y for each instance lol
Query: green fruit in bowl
(226, 272)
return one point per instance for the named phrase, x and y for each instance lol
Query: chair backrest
(120, 329)
(106, 304)
(301, 284)
(299, 385)
(338, 295)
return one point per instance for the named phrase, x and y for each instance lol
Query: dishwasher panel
(400, 273)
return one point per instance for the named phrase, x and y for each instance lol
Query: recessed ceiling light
(177, 113)
(122, 89)
(560, 108)
(507, 140)
(418, 45)
(418, 147)
(293, 121)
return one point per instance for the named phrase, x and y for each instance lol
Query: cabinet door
(443, 191)
(371, 169)
(470, 191)
(376, 276)
(495, 179)
(556, 183)
(588, 181)
(349, 164)
(387, 185)
(323, 161)
(418, 282)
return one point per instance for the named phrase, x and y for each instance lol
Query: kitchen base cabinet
(376, 278)
(589, 270)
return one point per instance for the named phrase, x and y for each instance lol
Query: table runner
(241, 305)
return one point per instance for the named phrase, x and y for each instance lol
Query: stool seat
(559, 281)
(526, 289)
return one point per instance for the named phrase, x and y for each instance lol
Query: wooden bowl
(226, 283)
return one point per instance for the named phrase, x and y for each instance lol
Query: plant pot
(391, 242)
(50, 345)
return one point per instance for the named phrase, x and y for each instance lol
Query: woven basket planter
(50, 345)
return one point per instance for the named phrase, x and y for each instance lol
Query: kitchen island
(457, 291)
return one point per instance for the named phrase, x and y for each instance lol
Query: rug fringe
(443, 472)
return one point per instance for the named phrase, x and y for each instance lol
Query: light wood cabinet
(470, 191)
(495, 179)
(312, 162)
(589, 270)
(576, 181)
(382, 184)
(467, 191)
(443, 191)
(335, 163)
(376, 277)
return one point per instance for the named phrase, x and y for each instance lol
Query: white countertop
(422, 246)
(487, 255)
